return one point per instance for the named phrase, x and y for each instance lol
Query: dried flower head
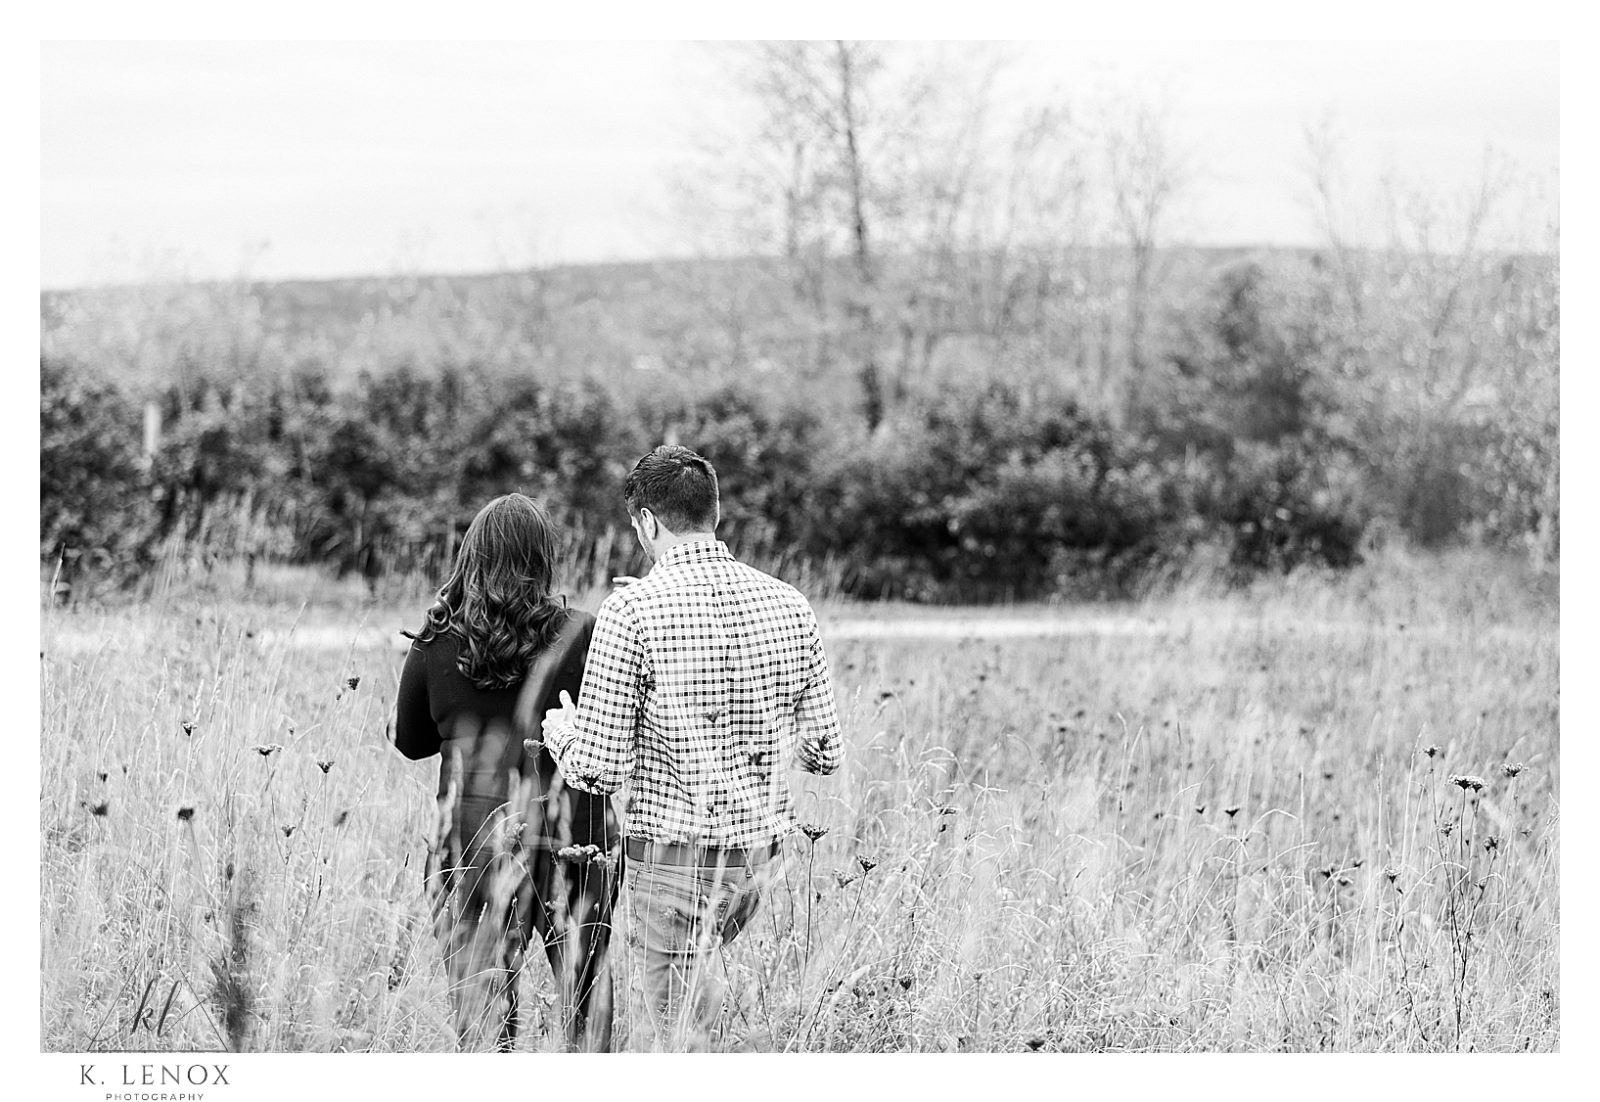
(188, 727)
(324, 765)
(267, 749)
(813, 830)
(841, 879)
(287, 828)
(1491, 843)
(1432, 751)
(185, 813)
(99, 810)
(581, 854)
(352, 681)
(1511, 769)
(867, 864)
(1230, 812)
(1465, 781)
(1391, 873)
(343, 817)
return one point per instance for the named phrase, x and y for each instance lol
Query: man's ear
(648, 524)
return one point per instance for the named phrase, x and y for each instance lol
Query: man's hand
(622, 581)
(560, 721)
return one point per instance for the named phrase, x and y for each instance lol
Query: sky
(273, 160)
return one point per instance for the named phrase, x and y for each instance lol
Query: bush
(95, 506)
(978, 494)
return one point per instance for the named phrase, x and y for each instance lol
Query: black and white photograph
(999, 545)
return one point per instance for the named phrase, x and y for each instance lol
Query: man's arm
(593, 743)
(816, 718)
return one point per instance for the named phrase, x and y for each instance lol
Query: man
(706, 682)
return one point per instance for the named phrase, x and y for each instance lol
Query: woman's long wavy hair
(497, 600)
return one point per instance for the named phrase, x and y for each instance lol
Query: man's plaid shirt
(706, 681)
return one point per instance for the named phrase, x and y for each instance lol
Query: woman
(496, 650)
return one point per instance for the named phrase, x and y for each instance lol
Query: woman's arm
(415, 734)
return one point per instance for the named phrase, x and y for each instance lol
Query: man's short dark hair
(678, 486)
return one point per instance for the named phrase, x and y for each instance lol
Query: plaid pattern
(706, 682)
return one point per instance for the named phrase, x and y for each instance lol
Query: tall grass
(1224, 830)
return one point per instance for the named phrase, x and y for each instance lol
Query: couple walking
(696, 688)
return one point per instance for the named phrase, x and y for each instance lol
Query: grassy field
(1244, 821)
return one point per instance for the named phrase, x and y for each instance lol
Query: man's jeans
(679, 917)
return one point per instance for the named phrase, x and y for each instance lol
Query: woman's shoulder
(434, 643)
(578, 621)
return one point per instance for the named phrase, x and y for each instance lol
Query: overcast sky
(277, 160)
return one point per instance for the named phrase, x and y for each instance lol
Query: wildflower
(287, 828)
(352, 681)
(1465, 781)
(1199, 809)
(1491, 843)
(185, 813)
(867, 864)
(103, 775)
(1344, 881)
(267, 749)
(1447, 827)
(1034, 1043)
(324, 765)
(813, 830)
(188, 727)
(340, 819)
(99, 810)
(1230, 812)
(1432, 751)
(578, 853)
(1391, 873)
(1511, 769)
(842, 880)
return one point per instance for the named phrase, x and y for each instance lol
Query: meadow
(1318, 813)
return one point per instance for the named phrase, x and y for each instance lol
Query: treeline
(1264, 425)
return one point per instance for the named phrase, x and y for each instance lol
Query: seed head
(1465, 781)
(1511, 769)
(867, 864)
(842, 880)
(188, 727)
(324, 765)
(352, 681)
(1491, 843)
(99, 810)
(185, 813)
(287, 828)
(1432, 751)
(1230, 812)
(1391, 873)
(813, 830)
(267, 749)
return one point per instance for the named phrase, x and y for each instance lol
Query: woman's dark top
(438, 710)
